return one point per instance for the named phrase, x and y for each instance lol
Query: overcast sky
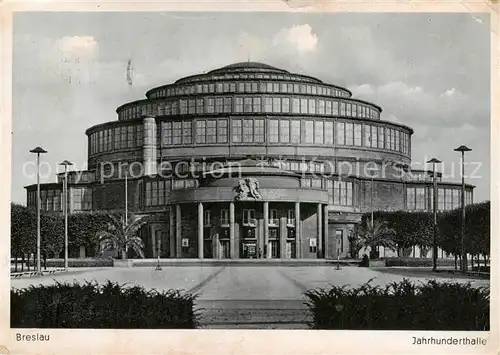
(427, 71)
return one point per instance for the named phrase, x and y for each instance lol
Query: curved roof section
(254, 66)
(245, 67)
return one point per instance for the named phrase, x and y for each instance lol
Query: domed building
(249, 161)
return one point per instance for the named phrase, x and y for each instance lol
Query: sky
(428, 71)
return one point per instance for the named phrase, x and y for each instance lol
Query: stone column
(298, 236)
(283, 239)
(200, 230)
(171, 230)
(324, 240)
(149, 158)
(266, 229)
(215, 246)
(319, 216)
(232, 247)
(152, 229)
(178, 235)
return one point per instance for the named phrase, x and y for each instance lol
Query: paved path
(241, 296)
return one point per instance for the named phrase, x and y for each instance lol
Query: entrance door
(224, 252)
(331, 243)
(207, 249)
(274, 249)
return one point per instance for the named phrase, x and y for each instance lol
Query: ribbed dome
(247, 65)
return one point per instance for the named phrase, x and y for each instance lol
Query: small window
(206, 218)
(249, 217)
(224, 217)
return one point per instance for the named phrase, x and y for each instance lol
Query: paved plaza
(241, 296)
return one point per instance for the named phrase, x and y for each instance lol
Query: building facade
(249, 161)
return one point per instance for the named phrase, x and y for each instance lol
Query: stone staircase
(253, 314)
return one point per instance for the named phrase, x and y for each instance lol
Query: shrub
(481, 268)
(417, 262)
(89, 305)
(101, 262)
(401, 306)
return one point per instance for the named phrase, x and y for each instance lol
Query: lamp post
(434, 161)
(371, 171)
(125, 218)
(462, 149)
(38, 151)
(158, 266)
(65, 163)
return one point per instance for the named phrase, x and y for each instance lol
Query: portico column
(319, 213)
(325, 234)
(171, 227)
(266, 229)
(231, 230)
(152, 229)
(178, 235)
(200, 230)
(298, 237)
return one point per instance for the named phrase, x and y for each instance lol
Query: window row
(250, 86)
(313, 183)
(116, 138)
(274, 220)
(340, 193)
(416, 198)
(447, 199)
(422, 176)
(81, 198)
(52, 200)
(287, 131)
(157, 191)
(421, 199)
(253, 104)
(303, 166)
(373, 137)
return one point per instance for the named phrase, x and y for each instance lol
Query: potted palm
(120, 235)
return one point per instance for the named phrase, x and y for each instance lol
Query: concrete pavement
(261, 297)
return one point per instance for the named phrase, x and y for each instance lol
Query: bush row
(110, 305)
(401, 305)
(418, 262)
(76, 262)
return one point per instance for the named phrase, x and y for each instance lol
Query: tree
(121, 234)
(424, 232)
(22, 231)
(52, 234)
(477, 229)
(378, 234)
(83, 228)
(354, 242)
(403, 225)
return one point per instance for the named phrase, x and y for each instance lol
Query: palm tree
(121, 234)
(378, 234)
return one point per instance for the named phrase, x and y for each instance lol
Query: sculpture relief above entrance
(248, 188)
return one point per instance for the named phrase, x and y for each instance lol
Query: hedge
(77, 262)
(401, 306)
(418, 262)
(89, 305)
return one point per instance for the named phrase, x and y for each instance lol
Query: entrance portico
(249, 212)
(249, 229)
